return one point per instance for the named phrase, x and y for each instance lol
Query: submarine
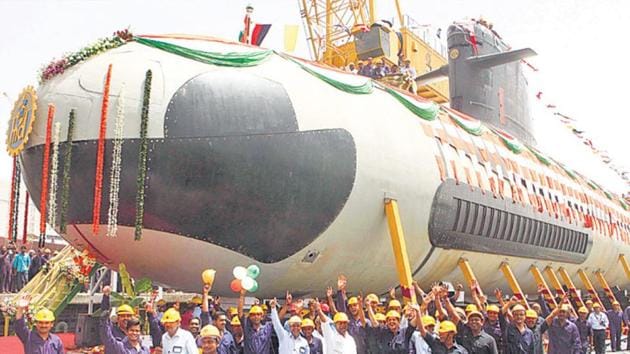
(286, 164)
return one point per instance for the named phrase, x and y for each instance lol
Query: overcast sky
(582, 55)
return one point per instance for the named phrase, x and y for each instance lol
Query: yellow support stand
(554, 281)
(511, 279)
(625, 265)
(545, 289)
(589, 287)
(602, 281)
(572, 289)
(469, 276)
(400, 250)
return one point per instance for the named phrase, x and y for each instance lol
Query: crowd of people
(342, 323)
(18, 266)
(403, 72)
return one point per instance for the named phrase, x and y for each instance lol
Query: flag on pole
(259, 33)
(290, 37)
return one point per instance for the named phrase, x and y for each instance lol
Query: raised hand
(498, 294)
(299, 303)
(392, 293)
(273, 303)
(289, 298)
(107, 290)
(217, 301)
(459, 287)
(329, 291)
(24, 301)
(149, 308)
(206, 288)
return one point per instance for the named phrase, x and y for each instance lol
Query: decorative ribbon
(54, 172)
(12, 198)
(45, 162)
(67, 163)
(114, 180)
(25, 231)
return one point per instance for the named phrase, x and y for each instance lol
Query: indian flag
(510, 142)
(471, 125)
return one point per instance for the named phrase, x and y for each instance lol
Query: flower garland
(59, 66)
(100, 154)
(45, 161)
(54, 172)
(16, 205)
(25, 231)
(114, 181)
(67, 163)
(12, 198)
(142, 160)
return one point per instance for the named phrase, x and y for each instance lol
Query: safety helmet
(196, 300)
(161, 302)
(307, 322)
(45, 315)
(428, 320)
(171, 315)
(340, 317)
(583, 309)
(392, 313)
(518, 308)
(447, 326)
(353, 301)
(294, 319)
(475, 313)
(565, 307)
(394, 303)
(125, 310)
(235, 321)
(531, 314)
(492, 308)
(372, 298)
(304, 312)
(256, 310)
(232, 311)
(379, 317)
(209, 331)
(615, 302)
(264, 307)
(471, 308)
(596, 305)
(589, 302)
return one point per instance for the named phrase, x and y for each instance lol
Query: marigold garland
(142, 160)
(67, 163)
(54, 172)
(25, 230)
(100, 154)
(114, 180)
(45, 162)
(12, 198)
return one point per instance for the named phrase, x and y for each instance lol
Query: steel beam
(513, 283)
(546, 293)
(400, 250)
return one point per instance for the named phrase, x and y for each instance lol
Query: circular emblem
(453, 53)
(21, 121)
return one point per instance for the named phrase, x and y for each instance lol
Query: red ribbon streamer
(12, 199)
(98, 178)
(25, 231)
(45, 162)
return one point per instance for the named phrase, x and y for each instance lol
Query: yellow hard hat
(379, 317)
(304, 312)
(340, 317)
(294, 319)
(428, 320)
(210, 331)
(171, 315)
(372, 298)
(307, 322)
(125, 310)
(589, 302)
(492, 308)
(256, 310)
(233, 311)
(583, 310)
(518, 308)
(394, 303)
(235, 321)
(196, 300)
(45, 315)
(475, 313)
(615, 302)
(161, 302)
(471, 307)
(596, 305)
(531, 314)
(565, 307)
(264, 307)
(447, 326)
(392, 313)
(353, 301)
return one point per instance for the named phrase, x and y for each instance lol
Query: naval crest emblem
(21, 121)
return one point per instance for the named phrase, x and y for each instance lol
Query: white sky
(582, 55)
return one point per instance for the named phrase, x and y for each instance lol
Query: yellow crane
(340, 32)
